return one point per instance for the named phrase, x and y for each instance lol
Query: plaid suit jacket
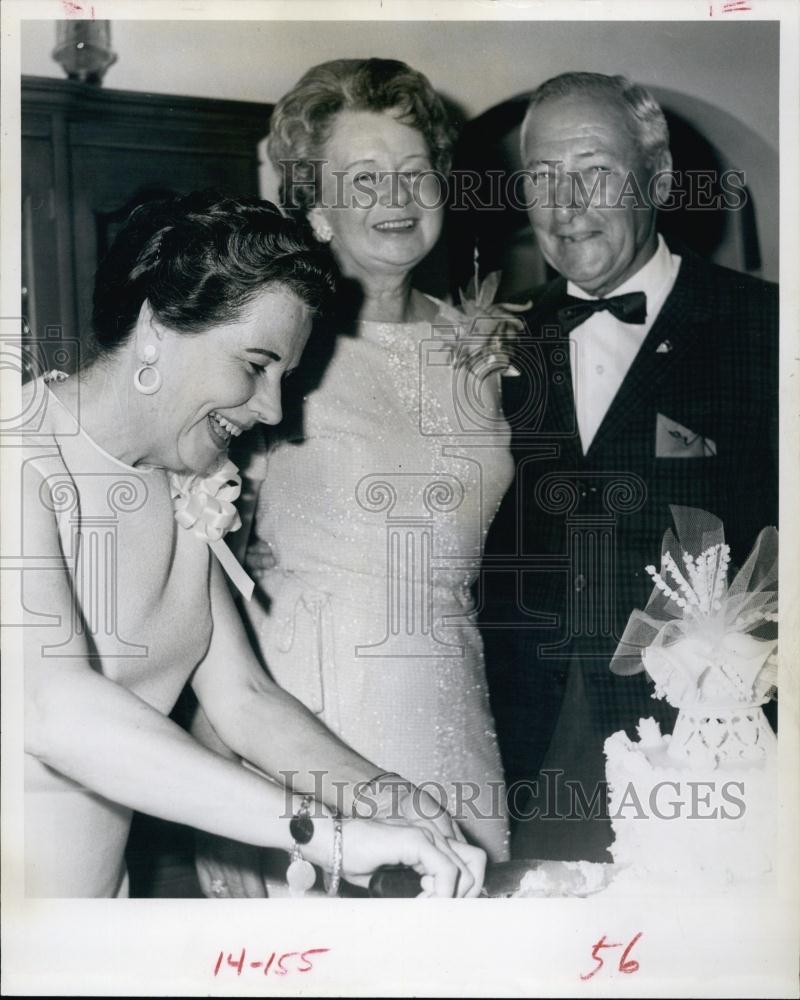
(565, 557)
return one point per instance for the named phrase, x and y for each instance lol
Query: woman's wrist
(319, 848)
(380, 797)
(317, 840)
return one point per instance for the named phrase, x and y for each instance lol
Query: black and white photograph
(400, 413)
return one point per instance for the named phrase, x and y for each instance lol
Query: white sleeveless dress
(376, 518)
(142, 606)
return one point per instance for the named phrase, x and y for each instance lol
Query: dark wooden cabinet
(88, 155)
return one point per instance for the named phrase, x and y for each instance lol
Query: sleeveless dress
(142, 608)
(376, 515)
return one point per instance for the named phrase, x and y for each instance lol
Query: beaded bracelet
(334, 877)
(300, 875)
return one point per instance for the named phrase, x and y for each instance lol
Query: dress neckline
(443, 311)
(135, 469)
(394, 323)
(383, 330)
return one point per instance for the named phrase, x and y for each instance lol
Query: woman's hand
(371, 844)
(420, 808)
(473, 859)
(227, 869)
(393, 799)
(259, 557)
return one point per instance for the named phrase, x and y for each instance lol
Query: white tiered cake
(701, 803)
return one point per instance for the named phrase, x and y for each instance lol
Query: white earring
(322, 229)
(148, 371)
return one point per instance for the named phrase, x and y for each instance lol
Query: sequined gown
(376, 517)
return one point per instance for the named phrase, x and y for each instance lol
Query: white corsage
(204, 505)
(491, 327)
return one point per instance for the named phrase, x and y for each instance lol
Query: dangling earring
(320, 227)
(151, 372)
(323, 232)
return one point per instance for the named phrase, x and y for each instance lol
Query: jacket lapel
(551, 365)
(678, 324)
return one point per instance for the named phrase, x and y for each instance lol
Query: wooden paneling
(87, 154)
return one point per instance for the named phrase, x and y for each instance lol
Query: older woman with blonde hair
(375, 510)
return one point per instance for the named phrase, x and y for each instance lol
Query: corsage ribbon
(204, 506)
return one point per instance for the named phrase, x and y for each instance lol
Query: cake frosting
(699, 818)
(557, 879)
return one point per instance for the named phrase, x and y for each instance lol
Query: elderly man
(647, 377)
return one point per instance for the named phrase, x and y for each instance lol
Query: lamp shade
(83, 49)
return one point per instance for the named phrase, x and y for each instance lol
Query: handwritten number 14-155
(275, 964)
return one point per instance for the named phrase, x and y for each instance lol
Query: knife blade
(503, 878)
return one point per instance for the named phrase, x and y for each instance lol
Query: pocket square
(673, 440)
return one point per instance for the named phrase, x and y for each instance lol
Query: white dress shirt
(604, 347)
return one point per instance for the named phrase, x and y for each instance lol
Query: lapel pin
(664, 347)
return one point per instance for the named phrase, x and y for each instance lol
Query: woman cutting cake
(201, 308)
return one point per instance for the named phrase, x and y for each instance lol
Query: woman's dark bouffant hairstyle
(302, 120)
(198, 260)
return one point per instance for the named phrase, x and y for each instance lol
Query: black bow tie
(629, 308)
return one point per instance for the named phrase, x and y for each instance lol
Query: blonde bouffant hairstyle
(303, 119)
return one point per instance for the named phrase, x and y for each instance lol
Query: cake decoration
(702, 803)
(709, 647)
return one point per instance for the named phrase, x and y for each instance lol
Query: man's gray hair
(647, 120)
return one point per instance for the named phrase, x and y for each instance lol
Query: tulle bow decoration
(204, 506)
(699, 639)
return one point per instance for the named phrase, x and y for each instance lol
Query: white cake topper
(710, 648)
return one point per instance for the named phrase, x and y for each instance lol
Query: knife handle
(398, 882)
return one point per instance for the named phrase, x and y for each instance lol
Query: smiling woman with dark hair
(198, 261)
(202, 306)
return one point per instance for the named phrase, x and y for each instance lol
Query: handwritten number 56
(626, 964)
